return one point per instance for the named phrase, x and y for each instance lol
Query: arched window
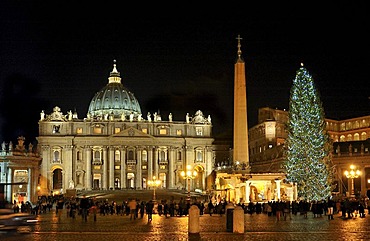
(363, 136)
(117, 183)
(57, 179)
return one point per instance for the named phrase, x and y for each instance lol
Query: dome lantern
(114, 100)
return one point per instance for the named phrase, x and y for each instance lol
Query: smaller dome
(114, 100)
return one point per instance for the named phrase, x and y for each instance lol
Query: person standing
(59, 207)
(132, 205)
(330, 211)
(211, 207)
(84, 206)
(149, 210)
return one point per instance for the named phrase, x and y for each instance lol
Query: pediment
(132, 132)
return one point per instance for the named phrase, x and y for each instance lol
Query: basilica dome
(114, 100)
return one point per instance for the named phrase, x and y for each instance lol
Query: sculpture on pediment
(187, 117)
(57, 115)
(70, 115)
(20, 145)
(170, 117)
(42, 115)
(199, 118)
(149, 117)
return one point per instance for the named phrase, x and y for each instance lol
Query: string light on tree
(307, 150)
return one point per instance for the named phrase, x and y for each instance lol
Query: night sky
(175, 61)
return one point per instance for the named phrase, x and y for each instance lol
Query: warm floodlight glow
(154, 184)
(352, 174)
(188, 175)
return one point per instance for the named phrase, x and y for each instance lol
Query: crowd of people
(347, 207)
(137, 209)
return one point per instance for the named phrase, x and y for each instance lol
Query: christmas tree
(308, 147)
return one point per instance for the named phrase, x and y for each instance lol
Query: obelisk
(240, 140)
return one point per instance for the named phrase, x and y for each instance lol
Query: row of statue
(57, 115)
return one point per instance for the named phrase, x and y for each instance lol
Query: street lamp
(154, 183)
(352, 174)
(188, 175)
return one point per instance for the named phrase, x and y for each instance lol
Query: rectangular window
(97, 130)
(162, 131)
(199, 155)
(145, 130)
(162, 167)
(144, 167)
(79, 130)
(117, 167)
(179, 132)
(199, 131)
(97, 167)
(56, 128)
(117, 130)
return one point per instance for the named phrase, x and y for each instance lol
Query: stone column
(363, 181)
(9, 193)
(88, 179)
(171, 164)
(155, 162)
(67, 157)
(139, 179)
(44, 182)
(29, 185)
(111, 167)
(277, 189)
(209, 161)
(105, 169)
(123, 168)
(150, 163)
(247, 191)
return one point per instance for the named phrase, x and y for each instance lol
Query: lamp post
(154, 183)
(352, 174)
(188, 175)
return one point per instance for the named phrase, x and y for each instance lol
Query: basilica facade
(116, 147)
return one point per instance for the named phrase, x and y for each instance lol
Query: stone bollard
(238, 220)
(229, 217)
(193, 222)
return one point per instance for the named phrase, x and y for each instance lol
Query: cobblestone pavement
(257, 227)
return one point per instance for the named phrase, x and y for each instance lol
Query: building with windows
(19, 172)
(116, 147)
(351, 145)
